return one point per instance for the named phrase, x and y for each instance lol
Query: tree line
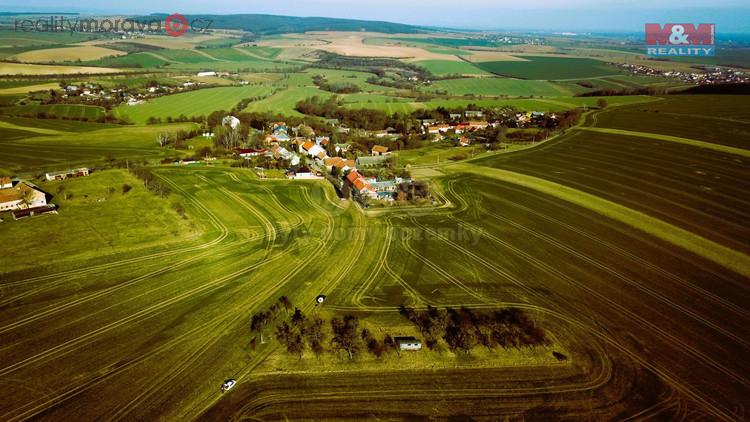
(463, 329)
(298, 333)
(151, 182)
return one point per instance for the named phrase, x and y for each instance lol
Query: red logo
(176, 25)
(680, 34)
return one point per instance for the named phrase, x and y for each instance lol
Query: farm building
(6, 182)
(339, 163)
(303, 173)
(21, 196)
(370, 161)
(250, 152)
(380, 150)
(408, 343)
(62, 175)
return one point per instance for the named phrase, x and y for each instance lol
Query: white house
(6, 182)
(21, 196)
(408, 343)
(303, 173)
(230, 121)
(62, 175)
(206, 74)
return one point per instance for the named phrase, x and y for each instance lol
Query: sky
(730, 16)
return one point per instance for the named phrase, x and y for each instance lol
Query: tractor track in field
(91, 383)
(594, 293)
(573, 210)
(322, 250)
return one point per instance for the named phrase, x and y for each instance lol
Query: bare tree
(162, 139)
(345, 335)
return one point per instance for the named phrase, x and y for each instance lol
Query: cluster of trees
(377, 65)
(105, 118)
(151, 182)
(337, 87)
(412, 191)
(331, 108)
(463, 329)
(298, 332)
(625, 91)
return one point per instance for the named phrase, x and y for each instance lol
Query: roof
(303, 169)
(16, 193)
(361, 184)
(60, 173)
(308, 145)
(380, 148)
(251, 151)
(5, 180)
(352, 176)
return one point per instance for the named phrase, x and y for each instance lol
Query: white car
(228, 384)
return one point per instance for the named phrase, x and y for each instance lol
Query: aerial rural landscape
(243, 216)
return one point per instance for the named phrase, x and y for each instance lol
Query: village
(704, 75)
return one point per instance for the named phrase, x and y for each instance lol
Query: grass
(549, 68)
(134, 220)
(284, 101)
(194, 103)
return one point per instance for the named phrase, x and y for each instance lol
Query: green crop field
(56, 145)
(500, 86)
(716, 119)
(194, 103)
(502, 238)
(599, 271)
(450, 67)
(549, 68)
(60, 110)
(285, 101)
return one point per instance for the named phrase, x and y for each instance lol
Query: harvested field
(38, 69)
(66, 54)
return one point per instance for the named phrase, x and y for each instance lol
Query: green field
(75, 111)
(500, 86)
(30, 145)
(717, 119)
(623, 239)
(449, 67)
(194, 103)
(549, 68)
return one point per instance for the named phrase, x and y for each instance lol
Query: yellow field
(67, 54)
(38, 69)
(351, 44)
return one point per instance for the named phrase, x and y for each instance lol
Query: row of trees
(150, 181)
(463, 329)
(298, 332)
(337, 87)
